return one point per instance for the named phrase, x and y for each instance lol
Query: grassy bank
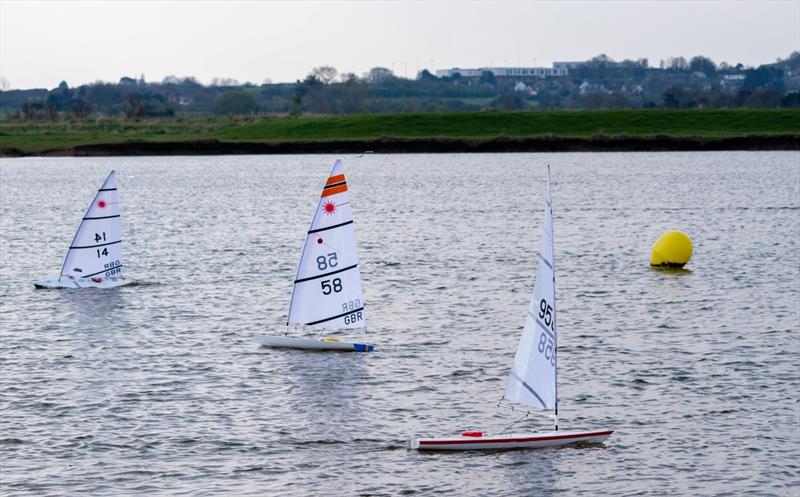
(637, 126)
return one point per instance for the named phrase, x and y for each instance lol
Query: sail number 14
(101, 237)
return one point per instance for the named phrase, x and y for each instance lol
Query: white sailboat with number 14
(94, 258)
(532, 379)
(327, 289)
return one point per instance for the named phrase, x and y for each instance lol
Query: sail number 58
(326, 261)
(329, 286)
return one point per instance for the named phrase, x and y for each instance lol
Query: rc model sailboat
(532, 380)
(94, 258)
(327, 289)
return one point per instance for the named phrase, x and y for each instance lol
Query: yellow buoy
(672, 249)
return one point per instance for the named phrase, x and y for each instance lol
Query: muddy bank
(598, 143)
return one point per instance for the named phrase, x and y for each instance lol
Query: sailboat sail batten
(330, 227)
(98, 245)
(528, 388)
(532, 380)
(327, 287)
(334, 317)
(100, 272)
(327, 274)
(96, 248)
(545, 330)
(99, 217)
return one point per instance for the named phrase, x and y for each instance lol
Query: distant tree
(34, 109)
(133, 107)
(125, 80)
(765, 76)
(677, 63)
(509, 100)
(190, 83)
(235, 102)
(487, 78)
(224, 82)
(81, 109)
(426, 75)
(675, 97)
(349, 77)
(601, 60)
(169, 80)
(353, 95)
(763, 98)
(104, 96)
(297, 105)
(311, 81)
(703, 64)
(326, 74)
(791, 100)
(378, 74)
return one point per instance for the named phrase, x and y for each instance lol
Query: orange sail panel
(333, 190)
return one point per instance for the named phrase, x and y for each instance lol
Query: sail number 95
(546, 313)
(546, 344)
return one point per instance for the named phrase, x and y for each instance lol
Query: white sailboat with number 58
(532, 380)
(94, 258)
(327, 289)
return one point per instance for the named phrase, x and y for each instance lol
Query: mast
(532, 379)
(555, 313)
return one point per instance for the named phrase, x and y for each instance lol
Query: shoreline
(393, 145)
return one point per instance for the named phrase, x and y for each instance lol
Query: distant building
(505, 72)
(464, 73)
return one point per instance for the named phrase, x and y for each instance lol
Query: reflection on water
(159, 387)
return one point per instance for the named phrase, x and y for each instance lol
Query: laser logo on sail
(329, 208)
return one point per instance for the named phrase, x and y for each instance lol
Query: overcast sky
(45, 42)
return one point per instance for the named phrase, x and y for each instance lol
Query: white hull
(68, 282)
(310, 344)
(510, 441)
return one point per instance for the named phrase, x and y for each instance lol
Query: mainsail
(327, 288)
(533, 375)
(96, 251)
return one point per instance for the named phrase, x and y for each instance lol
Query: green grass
(35, 137)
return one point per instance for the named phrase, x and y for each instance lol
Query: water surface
(160, 387)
